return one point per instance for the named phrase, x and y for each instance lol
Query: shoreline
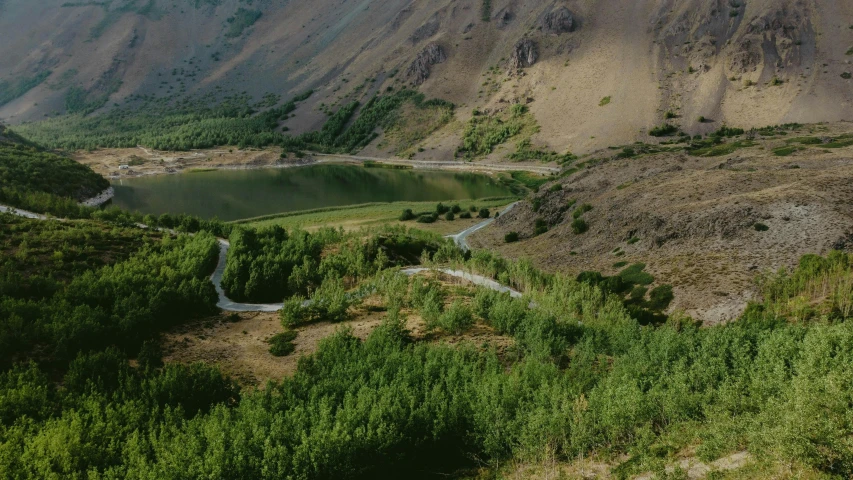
(118, 164)
(100, 198)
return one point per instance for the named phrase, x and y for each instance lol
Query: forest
(579, 370)
(34, 179)
(583, 377)
(205, 122)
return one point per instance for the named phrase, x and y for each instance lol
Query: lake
(236, 194)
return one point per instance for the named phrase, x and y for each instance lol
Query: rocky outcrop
(747, 57)
(504, 17)
(426, 30)
(524, 54)
(558, 21)
(421, 67)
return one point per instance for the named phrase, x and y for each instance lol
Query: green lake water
(236, 194)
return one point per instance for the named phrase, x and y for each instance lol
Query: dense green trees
(30, 178)
(185, 125)
(122, 304)
(578, 375)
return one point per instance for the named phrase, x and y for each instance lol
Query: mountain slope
(750, 64)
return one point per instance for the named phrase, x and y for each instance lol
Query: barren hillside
(708, 223)
(594, 73)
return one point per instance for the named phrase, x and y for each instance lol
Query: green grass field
(371, 214)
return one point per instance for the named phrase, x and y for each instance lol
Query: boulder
(524, 54)
(421, 67)
(558, 21)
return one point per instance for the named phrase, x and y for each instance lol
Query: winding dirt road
(229, 305)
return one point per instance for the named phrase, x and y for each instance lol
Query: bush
(427, 218)
(660, 297)
(293, 312)
(449, 216)
(456, 319)
(456, 209)
(511, 237)
(441, 209)
(407, 215)
(760, 227)
(664, 130)
(281, 344)
(636, 275)
(581, 210)
(579, 226)
(465, 215)
(484, 213)
(555, 188)
(540, 226)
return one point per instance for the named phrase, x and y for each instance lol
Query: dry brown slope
(649, 56)
(694, 220)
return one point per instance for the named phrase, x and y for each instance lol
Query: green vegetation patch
(45, 182)
(784, 151)
(665, 130)
(636, 275)
(485, 132)
(414, 121)
(240, 21)
(604, 101)
(12, 90)
(343, 134)
(281, 344)
(199, 122)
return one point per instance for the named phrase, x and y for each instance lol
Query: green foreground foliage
(44, 182)
(583, 376)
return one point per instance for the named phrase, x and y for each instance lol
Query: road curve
(229, 305)
(226, 303)
(461, 238)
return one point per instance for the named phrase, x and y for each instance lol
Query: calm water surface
(235, 194)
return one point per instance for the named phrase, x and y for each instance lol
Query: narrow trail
(229, 305)
(439, 165)
(461, 238)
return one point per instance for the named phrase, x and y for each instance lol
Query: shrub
(760, 227)
(555, 188)
(465, 215)
(636, 275)
(484, 213)
(604, 101)
(660, 297)
(638, 293)
(407, 215)
(456, 209)
(579, 226)
(670, 115)
(540, 226)
(511, 237)
(293, 313)
(449, 216)
(441, 209)
(664, 130)
(472, 208)
(456, 319)
(578, 213)
(536, 204)
(427, 218)
(281, 344)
